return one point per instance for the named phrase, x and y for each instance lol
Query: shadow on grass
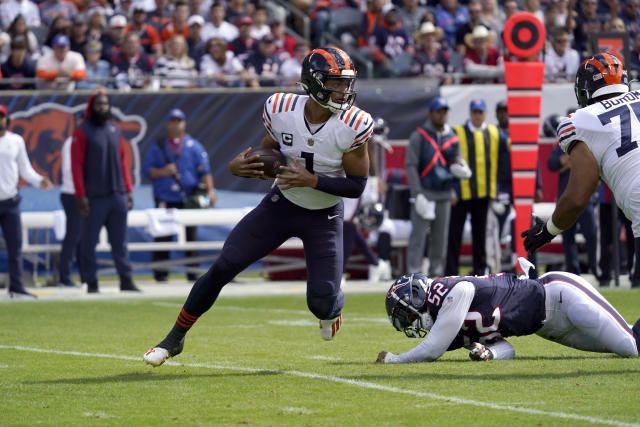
(148, 376)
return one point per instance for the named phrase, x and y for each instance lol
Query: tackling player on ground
(479, 312)
(601, 139)
(323, 137)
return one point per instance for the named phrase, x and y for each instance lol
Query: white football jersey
(320, 151)
(611, 130)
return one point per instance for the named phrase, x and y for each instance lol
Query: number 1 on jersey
(308, 160)
(626, 144)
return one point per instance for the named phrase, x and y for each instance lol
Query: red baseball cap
(3, 110)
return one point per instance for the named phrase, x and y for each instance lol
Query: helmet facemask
(324, 85)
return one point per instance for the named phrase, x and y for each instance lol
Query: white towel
(163, 222)
(59, 224)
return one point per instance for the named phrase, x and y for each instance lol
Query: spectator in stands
(219, 67)
(113, 40)
(450, 16)
(97, 25)
(74, 220)
(584, 23)
(509, 8)
(10, 9)
(615, 25)
(177, 164)
(237, 9)
(429, 160)
(60, 69)
(475, 18)
(284, 42)
(550, 21)
(635, 57)
(631, 16)
(125, 8)
(18, 28)
(161, 15)
(14, 164)
(561, 61)
(104, 6)
(178, 24)
(491, 15)
(474, 195)
(292, 67)
(175, 69)
(196, 45)
(102, 183)
(319, 12)
(533, 7)
(370, 21)
(263, 64)
(51, 9)
(132, 68)
(98, 70)
(18, 66)
(60, 25)
(431, 60)
(149, 36)
(260, 27)
(244, 43)
(195, 8)
(560, 162)
(411, 15)
(79, 33)
(218, 27)
(389, 46)
(482, 60)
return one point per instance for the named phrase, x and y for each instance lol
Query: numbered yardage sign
(524, 34)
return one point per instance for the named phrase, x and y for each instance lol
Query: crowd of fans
(133, 44)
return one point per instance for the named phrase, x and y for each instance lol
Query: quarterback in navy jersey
(323, 137)
(479, 312)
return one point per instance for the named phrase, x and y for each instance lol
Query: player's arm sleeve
(447, 326)
(126, 174)
(78, 153)
(502, 350)
(362, 133)
(567, 135)
(24, 166)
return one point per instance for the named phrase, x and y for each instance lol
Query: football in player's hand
(271, 158)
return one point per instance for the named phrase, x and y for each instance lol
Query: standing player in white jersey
(601, 139)
(323, 137)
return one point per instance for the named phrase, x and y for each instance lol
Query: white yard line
(361, 384)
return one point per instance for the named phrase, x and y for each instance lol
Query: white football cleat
(330, 328)
(156, 356)
(380, 272)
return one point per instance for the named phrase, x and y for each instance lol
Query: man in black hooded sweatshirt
(103, 190)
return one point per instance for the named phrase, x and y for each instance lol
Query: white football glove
(460, 170)
(424, 207)
(384, 357)
(480, 353)
(498, 208)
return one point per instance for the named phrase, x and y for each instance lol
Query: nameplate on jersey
(287, 139)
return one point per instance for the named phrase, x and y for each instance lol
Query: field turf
(261, 361)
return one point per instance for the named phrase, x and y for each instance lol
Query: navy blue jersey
(503, 306)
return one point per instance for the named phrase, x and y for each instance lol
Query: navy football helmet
(602, 74)
(323, 64)
(550, 125)
(406, 305)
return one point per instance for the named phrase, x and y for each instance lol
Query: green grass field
(260, 361)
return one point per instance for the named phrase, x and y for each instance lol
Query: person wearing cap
(178, 25)
(484, 148)
(242, 45)
(14, 164)
(148, 35)
(60, 68)
(177, 165)
(430, 59)
(132, 68)
(219, 67)
(113, 39)
(103, 186)
(217, 26)
(482, 60)
(18, 65)
(263, 64)
(26, 8)
(432, 162)
(196, 45)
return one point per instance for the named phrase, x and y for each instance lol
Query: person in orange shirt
(61, 68)
(149, 37)
(179, 23)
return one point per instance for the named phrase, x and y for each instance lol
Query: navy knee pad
(326, 307)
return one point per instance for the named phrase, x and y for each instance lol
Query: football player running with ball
(601, 139)
(479, 312)
(323, 137)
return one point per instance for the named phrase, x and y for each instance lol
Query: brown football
(271, 158)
